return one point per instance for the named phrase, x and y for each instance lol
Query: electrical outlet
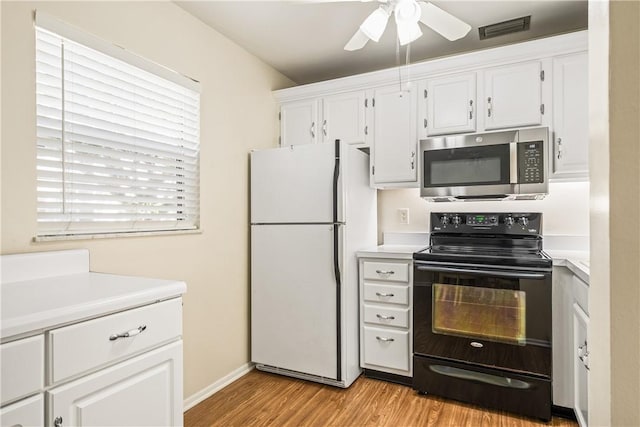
(403, 214)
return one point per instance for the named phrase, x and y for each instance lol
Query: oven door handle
(495, 273)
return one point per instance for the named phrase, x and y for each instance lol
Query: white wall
(238, 113)
(565, 210)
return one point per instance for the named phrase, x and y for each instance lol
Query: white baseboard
(211, 389)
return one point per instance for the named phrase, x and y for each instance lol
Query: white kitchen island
(85, 348)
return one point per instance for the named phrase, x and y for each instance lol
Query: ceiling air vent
(505, 27)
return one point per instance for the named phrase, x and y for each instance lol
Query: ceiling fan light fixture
(407, 11)
(374, 25)
(408, 32)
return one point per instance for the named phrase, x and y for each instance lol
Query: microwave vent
(504, 27)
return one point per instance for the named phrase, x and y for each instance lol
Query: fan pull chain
(398, 65)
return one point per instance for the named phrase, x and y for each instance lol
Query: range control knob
(444, 220)
(523, 221)
(456, 220)
(508, 221)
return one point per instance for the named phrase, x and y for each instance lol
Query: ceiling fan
(407, 14)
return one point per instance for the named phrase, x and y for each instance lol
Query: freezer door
(293, 298)
(293, 184)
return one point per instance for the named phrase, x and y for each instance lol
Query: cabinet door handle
(313, 129)
(57, 422)
(583, 355)
(381, 294)
(413, 161)
(382, 317)
(489, 107)
(470, 109)
(366, 130)
(425, 123)
(385, 271)
(324, 128)
(384, 339)
(131, 333)
(559, 148)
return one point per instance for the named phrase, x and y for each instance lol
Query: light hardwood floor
(262, 399)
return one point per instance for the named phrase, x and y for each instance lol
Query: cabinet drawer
(389, 271)
(83, 346)
(386, 348)
(27, 412)
(386, 293)
(388, 316)
(22, 367)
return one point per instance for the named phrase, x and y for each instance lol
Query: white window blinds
(117, 146)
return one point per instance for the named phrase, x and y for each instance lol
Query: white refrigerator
(311, 211)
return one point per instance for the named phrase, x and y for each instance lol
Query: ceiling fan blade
(374, 25)
(443, 22)
(358, 41)
(408, 32)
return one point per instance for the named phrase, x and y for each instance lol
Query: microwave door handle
(505, 274)
(513, 162)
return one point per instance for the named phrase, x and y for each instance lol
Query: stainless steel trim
(425, 265)
(131, 333)
(513, 162)
(464, 374)
(385, 339)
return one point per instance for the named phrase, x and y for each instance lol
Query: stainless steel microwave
(508, 165)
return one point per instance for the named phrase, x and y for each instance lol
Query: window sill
(114, 235)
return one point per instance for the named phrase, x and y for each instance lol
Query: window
(117, 144)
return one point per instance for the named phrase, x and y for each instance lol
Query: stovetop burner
(500, 239)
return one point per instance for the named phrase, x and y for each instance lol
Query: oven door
(492, 317)
(481, 170)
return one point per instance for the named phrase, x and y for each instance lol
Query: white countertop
(390, 251)
(45, 290)
(35, 305)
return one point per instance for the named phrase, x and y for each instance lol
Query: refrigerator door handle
(336, 265)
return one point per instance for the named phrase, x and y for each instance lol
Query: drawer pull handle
(382, 317)
(380, 294)
(384, 339)
(131, 333)
(385, 271)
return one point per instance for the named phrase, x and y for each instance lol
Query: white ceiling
(304, 40)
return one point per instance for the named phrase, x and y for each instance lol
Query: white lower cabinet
(123, 369)
(142, 391)
(27, 412)
(386, 342)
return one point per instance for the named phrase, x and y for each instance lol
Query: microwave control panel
(530, 162)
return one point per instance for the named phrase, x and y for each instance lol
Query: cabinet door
(581, 364)
(299, 123)
(26, 412)
(562, 321)
(571, 116)
(450, 105)
(344, 118)
(143, 391)
(513, 95)
(395, 135)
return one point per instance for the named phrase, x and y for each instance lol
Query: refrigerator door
(293, 184)
(293, 298)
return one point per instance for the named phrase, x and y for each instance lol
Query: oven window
(475, 312)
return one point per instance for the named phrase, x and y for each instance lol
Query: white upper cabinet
(343, 117)
(395, 135)
(570, 116)
(513, 95)
(447, 105)
(299, 122)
